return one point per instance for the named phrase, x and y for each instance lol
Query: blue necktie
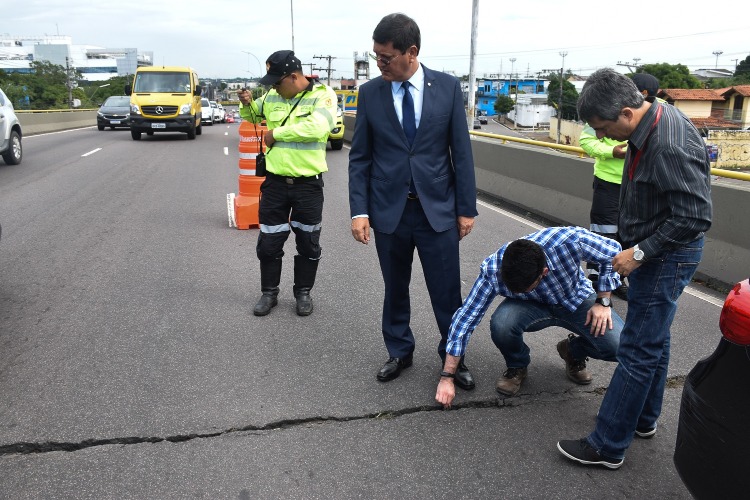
(409, 123)
(407, 108)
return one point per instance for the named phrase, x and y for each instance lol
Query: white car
(10, 132)
(219, 114)
(207, 112)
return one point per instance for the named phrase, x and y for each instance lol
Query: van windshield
(166, 81)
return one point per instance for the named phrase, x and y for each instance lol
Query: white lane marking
(91, 152)
(690, 289)
(511, 215)
(27, 137)
(226, 151)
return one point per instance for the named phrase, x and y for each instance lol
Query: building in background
(93, 62)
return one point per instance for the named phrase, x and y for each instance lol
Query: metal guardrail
(582, 154)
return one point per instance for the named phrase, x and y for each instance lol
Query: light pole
(248, 62)
(560, 102)
(291, 5)
(515, 111)
(717, 53)
(91, 99)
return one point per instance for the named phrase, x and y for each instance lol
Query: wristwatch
(447, 374)
(604, 301)
(637, 253)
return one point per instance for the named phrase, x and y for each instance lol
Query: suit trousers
(438, 252)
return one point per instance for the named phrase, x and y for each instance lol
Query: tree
(504, 105)
(672, 76)
(569, 97)
(742, 73)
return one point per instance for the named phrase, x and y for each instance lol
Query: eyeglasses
(385, 61)
(279, 82)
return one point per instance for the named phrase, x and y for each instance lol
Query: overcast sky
(212, 35)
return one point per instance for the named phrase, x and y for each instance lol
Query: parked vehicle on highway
(164, 99)
(115, 112)
(712, 435)
(10, 132)
(219, 114)
(336, 137)
(207, 112)
(477, 124)
(483, 120)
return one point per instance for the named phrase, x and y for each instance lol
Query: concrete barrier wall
(39, 122)
(553, 185)
(558, 187)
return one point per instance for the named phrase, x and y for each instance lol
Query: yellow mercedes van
(164, 99)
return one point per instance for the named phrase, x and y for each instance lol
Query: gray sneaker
(575, 369)
(510, 383)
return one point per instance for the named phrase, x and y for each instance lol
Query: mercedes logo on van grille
(159, 110)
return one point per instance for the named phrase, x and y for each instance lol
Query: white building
(93, 62)
(531, 111)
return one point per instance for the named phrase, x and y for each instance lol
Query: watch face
(604, 301)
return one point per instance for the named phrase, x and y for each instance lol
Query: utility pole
(470, 96)
(560, 103)
(636, 59)
(717, 53)
(515, 110)
(330, 58)
(68, 82)
(311, 66)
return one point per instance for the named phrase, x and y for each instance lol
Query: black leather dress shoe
(392, 368)
(464, 379)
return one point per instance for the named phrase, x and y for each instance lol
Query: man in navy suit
(411, 178)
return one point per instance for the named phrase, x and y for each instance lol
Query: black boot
(270, 276)
(304, 278)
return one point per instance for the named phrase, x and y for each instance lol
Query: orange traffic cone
(247, 201)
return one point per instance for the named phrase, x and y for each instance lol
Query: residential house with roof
(704, 107)
(720, 115)
(737, 107)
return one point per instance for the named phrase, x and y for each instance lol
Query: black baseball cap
(278, 65)
(646, 82)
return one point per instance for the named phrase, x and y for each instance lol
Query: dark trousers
(605, 211)
(438, 253)
(287, 207)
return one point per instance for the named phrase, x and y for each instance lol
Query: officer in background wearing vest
(299, 113)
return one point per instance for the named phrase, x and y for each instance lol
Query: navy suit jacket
(381, 162)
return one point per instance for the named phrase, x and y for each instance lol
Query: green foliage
(672, 76)
(569, 97)
(504, 104)
(743, 68)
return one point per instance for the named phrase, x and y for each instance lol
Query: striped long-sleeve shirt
(565, 284)
(667, 203)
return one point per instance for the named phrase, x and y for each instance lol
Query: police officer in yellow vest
(300, 113)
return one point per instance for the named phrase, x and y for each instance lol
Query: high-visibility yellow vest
(300, 147)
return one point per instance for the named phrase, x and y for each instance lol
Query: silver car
(10, 132)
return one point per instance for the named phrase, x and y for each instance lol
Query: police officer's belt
(292, 180)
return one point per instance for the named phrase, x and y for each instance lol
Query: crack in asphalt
(26, 448)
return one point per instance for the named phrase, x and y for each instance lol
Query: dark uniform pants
(285, 207)
(605, 210)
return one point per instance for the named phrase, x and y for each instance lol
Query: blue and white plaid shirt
(565, 284)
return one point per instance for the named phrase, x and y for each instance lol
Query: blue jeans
(634, 397)
(513, 317)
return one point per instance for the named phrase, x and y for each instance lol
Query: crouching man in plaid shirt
(541, 278)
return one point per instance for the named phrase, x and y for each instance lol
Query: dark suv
(10, 132)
